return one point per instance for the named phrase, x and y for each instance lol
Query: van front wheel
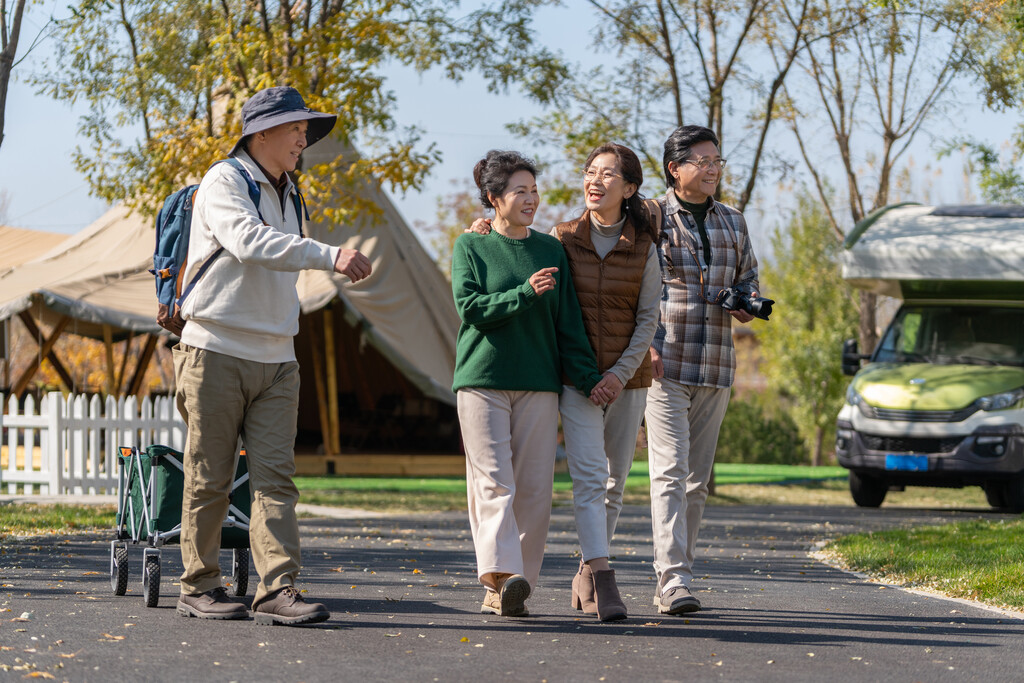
(867, 491)
(994, 493)
(1013, 494)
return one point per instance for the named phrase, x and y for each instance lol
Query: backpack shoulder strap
(250, 182)
(300, 209)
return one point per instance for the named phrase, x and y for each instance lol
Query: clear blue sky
(46, 193)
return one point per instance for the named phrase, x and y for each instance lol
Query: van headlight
(1006, 399)
(852, 397)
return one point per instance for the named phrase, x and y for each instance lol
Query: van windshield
(948, 335)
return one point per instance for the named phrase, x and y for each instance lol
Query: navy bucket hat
(282, 104)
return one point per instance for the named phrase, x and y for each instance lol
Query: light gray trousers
(599, 443)
(682, 433)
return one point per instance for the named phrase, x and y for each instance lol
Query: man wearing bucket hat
(235, 366)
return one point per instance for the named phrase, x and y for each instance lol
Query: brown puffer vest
(608, 290)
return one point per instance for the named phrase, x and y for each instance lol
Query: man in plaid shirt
(704, 249)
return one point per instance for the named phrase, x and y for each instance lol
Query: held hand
(743, 316)
(352, 263)
(657, 366)
(481, 226)
(607, 390)
(543, 280)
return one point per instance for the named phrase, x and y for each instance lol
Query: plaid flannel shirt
(694, 337)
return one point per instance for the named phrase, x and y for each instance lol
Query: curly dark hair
(491, 174)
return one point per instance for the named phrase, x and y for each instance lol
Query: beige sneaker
(678, 600)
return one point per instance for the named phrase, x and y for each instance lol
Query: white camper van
(940, 401)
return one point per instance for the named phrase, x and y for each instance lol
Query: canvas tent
(21, 245)
(911, 251)
(382, 349)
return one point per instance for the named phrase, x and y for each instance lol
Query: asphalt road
(405, 603)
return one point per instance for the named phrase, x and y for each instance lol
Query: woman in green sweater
(521, 331)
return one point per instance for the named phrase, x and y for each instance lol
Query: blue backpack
(173, 228)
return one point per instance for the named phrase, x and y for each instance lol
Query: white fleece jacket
(245, 305)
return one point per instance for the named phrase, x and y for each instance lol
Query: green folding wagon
(150, 487)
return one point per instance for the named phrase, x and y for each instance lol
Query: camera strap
(693, 253)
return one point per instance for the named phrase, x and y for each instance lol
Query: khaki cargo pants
(221, 398)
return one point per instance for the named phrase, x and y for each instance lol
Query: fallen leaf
(40, 674)
(392, 635)
(416, 571)
(90, 573)
(107, 635)
(463, 639)
(653, 623)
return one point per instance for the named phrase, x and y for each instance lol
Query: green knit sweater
(510, 338)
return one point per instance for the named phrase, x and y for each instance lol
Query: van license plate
(906, 463)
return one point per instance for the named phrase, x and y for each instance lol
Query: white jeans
(510, 439)
(599, 443)
(682, 433)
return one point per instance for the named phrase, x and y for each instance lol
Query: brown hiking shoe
(287, 607)
(213, 604)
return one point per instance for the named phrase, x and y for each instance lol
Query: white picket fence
(70, 445)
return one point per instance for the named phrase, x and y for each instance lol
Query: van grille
(904, 444)
(917, 415)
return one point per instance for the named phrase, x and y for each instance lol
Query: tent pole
(332, 380)
(140, 368)
(119, 380)
(108, 345)
(315, 340)
(45, 351)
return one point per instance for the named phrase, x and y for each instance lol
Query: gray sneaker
(676, 600)
(287, 607)
(213, 604)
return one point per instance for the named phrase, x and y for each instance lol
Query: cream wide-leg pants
(510, 439)
(600, 443)
(682, 433)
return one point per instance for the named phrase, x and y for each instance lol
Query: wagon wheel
(240, 570)
(151, 580)
(119, 568)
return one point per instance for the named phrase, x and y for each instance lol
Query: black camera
(732, 299)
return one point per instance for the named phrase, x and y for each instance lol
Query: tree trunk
(868, 324)
(819, 434)
(9, 35)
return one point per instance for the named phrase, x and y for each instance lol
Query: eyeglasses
(704, 163)
(590, 174)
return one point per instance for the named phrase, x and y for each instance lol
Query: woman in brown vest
(615, 272)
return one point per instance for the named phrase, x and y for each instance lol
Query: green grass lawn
(978, 560)
(29, 519)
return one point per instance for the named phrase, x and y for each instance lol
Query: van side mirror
(851, 357)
